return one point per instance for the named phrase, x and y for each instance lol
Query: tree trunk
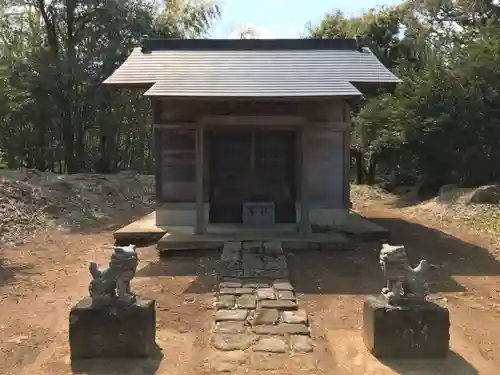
(28, 160)
(371, 171)
(358, 157)
(68, 125)
(104, 164)
(80, 145)
(41, 144)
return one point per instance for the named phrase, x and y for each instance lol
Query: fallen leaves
(32, 201)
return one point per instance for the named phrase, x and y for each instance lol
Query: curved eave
(368, 88)
(257, 98)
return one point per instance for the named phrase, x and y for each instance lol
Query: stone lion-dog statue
(403, 281)
(114, 281)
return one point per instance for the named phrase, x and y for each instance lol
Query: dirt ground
(41, 279)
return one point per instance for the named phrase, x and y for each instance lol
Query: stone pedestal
(411, 330)
(112, 329)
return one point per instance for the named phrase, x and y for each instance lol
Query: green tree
(396, 38)
(445, 114)
(57, 53)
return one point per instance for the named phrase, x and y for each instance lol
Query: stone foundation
(178, 215)
(412, 330)
(112, 329)
(256, 303)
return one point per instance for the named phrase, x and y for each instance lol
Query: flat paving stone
(293, 329)
(233, 265)
(273, 344)
(235, 283)
(301, 344)
(281, 258)
(231, 251)
(249, 245)
(225, 272)
(265, 293)
(282, 285)
(274, 274)
(230, 327)
(235, 291)
(269, 330)
(254, 284)
(293, 246)
(274, 258)
(253, 272)
(256, 250)
(236, 315)
(294, 317)
(252, 261)
(239, 341)
(273, 247)
(225, 301)
(270, 258)
(229, 279)
(282, 329)
(274, 265)
(266, 316)
(246, 301)
(286, 295)
(266, 330)
(278, 304)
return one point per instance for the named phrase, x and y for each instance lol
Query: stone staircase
(256, 305)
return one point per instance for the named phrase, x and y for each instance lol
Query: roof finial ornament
(145, 47)
(359, 43)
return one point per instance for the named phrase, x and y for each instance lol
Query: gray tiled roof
(282, 84)
(251, 73)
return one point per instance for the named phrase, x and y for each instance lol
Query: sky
(284, 18)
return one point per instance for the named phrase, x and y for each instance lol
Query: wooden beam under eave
(200, 227)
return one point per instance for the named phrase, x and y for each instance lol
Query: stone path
(256, 306)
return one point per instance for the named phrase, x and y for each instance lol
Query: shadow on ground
(453, 364)
(358, 272)
(456, 256)
(119, 366)
(9, 272)
(200, 263)
(139, 242)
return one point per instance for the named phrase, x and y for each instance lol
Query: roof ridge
(153, 44)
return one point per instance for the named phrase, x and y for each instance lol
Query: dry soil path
(40, 280)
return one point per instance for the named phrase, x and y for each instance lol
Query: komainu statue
(114, 282)
(403, 281)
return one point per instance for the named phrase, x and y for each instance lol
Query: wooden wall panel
(178, 165)
(327, 145)
(325, 167)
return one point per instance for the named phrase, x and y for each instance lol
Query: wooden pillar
(158, 148)
(158, 152)
(305, 224)
(346, 152)
(200, 198)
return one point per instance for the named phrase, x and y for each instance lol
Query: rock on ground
(238, 341)
(486, 194)
(301, 344)
(271, 345)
